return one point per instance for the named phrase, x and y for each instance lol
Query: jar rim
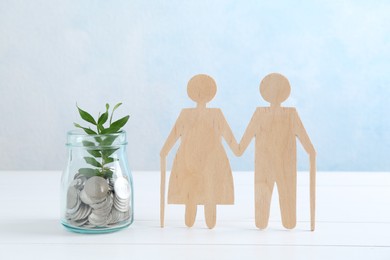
(81, 133)
(76, 138)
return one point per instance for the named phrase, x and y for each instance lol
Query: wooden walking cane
(162, 191)
(312, 192)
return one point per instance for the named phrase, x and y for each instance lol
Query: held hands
(312, 154)
(163, 154)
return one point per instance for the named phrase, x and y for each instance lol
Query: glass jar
(96, 186)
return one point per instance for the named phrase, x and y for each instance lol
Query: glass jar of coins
(96, 186)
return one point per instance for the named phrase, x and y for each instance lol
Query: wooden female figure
(201, 173)
(275, 129)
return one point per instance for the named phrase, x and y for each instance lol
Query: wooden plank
(191, 252)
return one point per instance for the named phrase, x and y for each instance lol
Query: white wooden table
(353, 222)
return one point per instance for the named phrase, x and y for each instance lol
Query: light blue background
(336, 55)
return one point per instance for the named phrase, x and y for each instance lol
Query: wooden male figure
(275, 129)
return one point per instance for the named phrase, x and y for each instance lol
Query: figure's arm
(174, 135)
(303, 137)
(227, 134)
(250, 132)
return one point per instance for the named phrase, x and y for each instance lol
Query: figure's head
(275, 88)
(201, 88)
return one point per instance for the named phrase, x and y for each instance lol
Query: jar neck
(106, 141)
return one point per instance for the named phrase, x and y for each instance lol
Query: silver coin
(96, 188)
(75, 208)
(72, 197)
(108, 200)
(88, 225)
(77, 215)
(87, 212)
(77, 175)
(104, 211)
(84, 197)
(97, 220)
(82, 213)
(121, 200)
(122, 188)
(108, 221)
(73, 211)
(117, 216)
(121, 208)
(79, 182)
(75, 183)
(121, 204)
(78, 223)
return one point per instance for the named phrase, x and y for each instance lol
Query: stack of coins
(97, 202)
(122, 194)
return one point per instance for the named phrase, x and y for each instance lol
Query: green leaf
(98, 139)
(107, 173)
(95, 153)
(86, 116)
(107, 152)
(103, 118)
(112, 113)
(92, 161)
(88, 172)
(87, 130)
(88, 143)
(78, 126)
(100, 127)
(110, 130)
(109, 160)
(108, 140)
(120, 122)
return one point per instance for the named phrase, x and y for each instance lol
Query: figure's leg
(190, 214)
(264, 185)
(287, 188)
(210, 212)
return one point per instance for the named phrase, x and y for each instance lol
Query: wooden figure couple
(201, 173)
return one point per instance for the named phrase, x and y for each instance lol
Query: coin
(121, 207)
(84, 197)
(83, 212)
(78, 223)
(122, 188)
(72, 197)
(97, 202)
(79, 182)
(105, 209)
(97, 220)
(75, 209)
(96, 188)
(104, 203)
